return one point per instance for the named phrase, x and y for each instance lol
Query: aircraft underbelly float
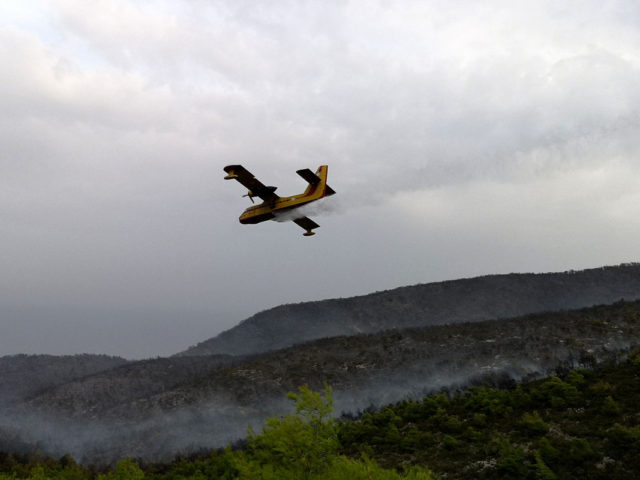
(272, 204)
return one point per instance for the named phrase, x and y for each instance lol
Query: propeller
(250, 195)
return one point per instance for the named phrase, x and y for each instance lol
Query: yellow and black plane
(272, 204)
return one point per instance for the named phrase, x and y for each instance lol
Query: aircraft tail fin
(317, 181)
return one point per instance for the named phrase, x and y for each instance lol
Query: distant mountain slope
(386, 366)
(466, 300)
(129, 383)
(24, 375)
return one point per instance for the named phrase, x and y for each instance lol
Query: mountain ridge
(452, 301)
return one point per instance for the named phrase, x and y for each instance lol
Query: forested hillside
(584, 424)
(456, 301)
(22, 376)
(155, 408)
(580, 424)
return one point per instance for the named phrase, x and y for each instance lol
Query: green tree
(533, 424)
(295, 446)
(575, 378)
(125, 469)
(610, 407)
(37, 473)
(304, 445)
(366, 469)
(511, 459)
(542, 471)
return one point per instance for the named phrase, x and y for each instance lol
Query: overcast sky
(463, 138)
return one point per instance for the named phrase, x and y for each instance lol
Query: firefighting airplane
(272, 204)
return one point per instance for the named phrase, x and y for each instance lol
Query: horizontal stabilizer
(307, 224)
(309, 176)
(329, 191)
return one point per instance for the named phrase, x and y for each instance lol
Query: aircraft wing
(255, 186)
(307, 224)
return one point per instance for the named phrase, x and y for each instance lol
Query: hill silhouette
(455, 301)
